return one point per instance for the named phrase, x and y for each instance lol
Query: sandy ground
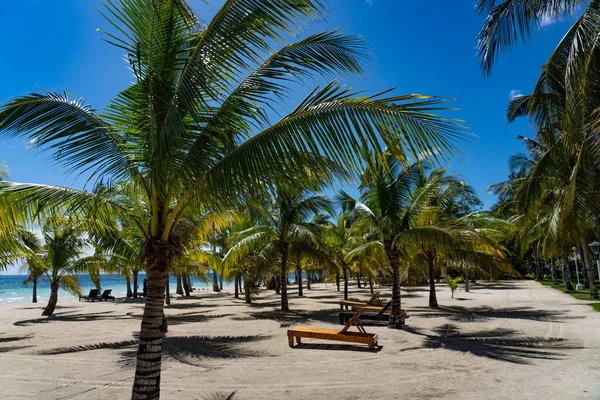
(511, 340)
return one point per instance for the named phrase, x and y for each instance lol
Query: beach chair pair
(94, 295)
(343, 335)
(371, 313)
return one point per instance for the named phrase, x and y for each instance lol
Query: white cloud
(514, 94)
(548, 19)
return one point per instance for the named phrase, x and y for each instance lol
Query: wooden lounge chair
(378, 314)
(92, 296)
(373, 301)
(343, 335)
(106, 295)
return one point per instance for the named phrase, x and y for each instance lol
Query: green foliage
(453, 283)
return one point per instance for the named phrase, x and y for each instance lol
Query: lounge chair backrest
(106, 293)
(93, 293)
(387, 307)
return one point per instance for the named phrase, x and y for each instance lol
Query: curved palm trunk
(49, 310)
(34, 299)
(283, 248)
(299, 275)
(179, 289)
(566, 274)
(432, 295)
(396, 319)
(146, 383)
(135, 284)
(589, 270)
(129, 291)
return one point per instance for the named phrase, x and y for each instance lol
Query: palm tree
(192, 131)
(35, 269)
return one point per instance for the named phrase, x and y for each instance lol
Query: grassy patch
(578, 294)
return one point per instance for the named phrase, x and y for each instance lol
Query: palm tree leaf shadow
(498, 344)
(73, 316)
(10, 339)
(191, 350)
(289, 318)
(220, 396)
(472, 314)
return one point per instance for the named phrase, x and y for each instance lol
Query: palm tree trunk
(236, 293)
(146, 384)
(358, 280)
(584, 266)
(128, 282)
(277, 284)
(308, 278)
(299, 275)
(34, 299)
(371, 284)
(566, 274)
(283, 248)
(432, 295)
(345, 270)
(247, 294)
(215, 280)
(167, 293)
(49, 310)
(467, 281)
(538, 268)
(553, 270)
(179, 289)
(135, 284)
(186, 285)
(220, 282)
(337, 280)
(589, 269)
(396, 318)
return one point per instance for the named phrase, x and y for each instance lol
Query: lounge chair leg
(291, 340)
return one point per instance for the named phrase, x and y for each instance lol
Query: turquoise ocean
(14, 290)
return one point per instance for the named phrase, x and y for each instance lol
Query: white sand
(514, 340)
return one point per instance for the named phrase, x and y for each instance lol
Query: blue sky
(419, 47)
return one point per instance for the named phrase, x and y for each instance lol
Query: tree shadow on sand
(190, 350)
(476, 314)
(74, 317)
(499, 344)
(12, 339)
(289, 318)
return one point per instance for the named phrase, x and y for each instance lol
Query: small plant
(453, 283)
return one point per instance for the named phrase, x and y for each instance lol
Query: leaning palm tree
(192, 130)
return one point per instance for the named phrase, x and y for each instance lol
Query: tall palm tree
(34, 269)
(192, 130)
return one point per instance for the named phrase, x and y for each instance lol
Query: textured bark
(277, 284)
(34, 296)
(396, 319)
(135, 284)
(299, 275)
(589, 269)
(432, 295)
(179, 289)
(566, 274)
(49, 310)
(283, 248)
(147, 374)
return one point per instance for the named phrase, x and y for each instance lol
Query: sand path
(510, 340)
